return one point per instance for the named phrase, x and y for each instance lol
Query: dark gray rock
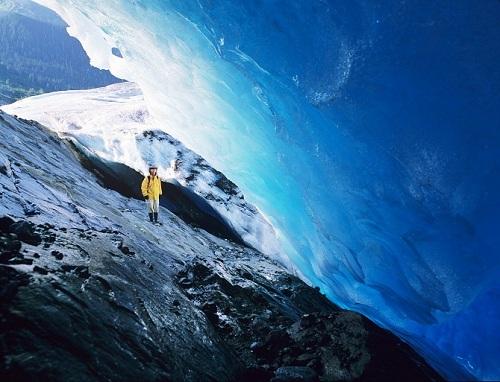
(40, 270)
(6, 256)
(21, 261)
(5, 223)
(58, 255)
(9, 245)
(295, 374)
(25, 232)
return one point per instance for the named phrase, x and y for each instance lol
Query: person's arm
(144, 187)
(159, 181)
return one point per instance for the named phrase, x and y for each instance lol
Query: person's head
(153, 170)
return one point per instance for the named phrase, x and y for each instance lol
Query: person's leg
(156, 209)
(150, 209)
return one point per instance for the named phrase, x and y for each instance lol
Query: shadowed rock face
(89, 291)
(284, 330)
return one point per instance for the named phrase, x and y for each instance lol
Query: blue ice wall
(396, 112)
(367, 131)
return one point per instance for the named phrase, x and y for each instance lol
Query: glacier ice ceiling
(367, 132)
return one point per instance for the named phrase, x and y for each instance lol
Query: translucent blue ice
(367, 132)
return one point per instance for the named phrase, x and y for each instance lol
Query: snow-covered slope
(114, 124)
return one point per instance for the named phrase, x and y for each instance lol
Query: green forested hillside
(39, 56)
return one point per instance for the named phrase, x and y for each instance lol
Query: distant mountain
(37, 55)
(32, 10)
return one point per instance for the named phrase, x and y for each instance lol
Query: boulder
(25, 232)
(5, 223)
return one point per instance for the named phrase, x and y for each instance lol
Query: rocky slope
(90, 291)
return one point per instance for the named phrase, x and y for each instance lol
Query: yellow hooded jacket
(151, 187)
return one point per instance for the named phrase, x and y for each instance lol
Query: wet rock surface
(91, 291)
(83, 309)
(74, 315)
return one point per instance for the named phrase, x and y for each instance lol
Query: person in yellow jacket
(151, 190)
